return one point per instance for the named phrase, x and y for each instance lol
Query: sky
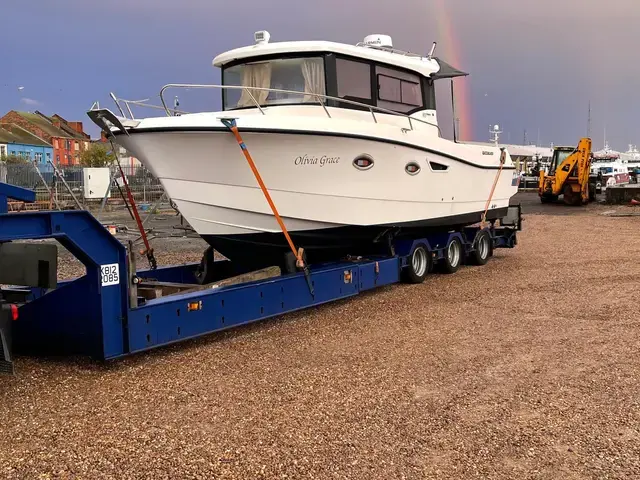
(533, 66)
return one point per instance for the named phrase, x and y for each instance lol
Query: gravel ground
(524, 368)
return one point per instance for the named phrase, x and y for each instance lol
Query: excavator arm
(568, 174)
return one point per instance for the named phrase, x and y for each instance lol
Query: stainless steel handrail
(319, 98)
(138, 103)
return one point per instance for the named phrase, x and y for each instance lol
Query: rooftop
(46, 124)
(431, 67)
(11, 133)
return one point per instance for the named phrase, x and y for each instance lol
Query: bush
(13, 159)
(97, 155)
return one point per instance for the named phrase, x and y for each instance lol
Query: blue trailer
(114, 310)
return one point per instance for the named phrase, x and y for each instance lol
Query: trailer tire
(419, 264)
(482, 248)
(452, 256)
(204, 271)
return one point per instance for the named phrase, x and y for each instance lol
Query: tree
(97, 155)
(13, 159)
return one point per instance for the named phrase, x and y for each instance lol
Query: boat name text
(312, 160)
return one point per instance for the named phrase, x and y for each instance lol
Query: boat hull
(329, 206)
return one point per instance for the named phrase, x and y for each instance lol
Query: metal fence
(68, 182)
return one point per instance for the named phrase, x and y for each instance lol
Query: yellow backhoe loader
(569, 175)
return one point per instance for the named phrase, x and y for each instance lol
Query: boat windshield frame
(357, 96)
(259, 73)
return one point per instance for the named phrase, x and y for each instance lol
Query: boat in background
(346, 139)
(609, 165)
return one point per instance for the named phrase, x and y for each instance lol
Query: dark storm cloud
(533, 65)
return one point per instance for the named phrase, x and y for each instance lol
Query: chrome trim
(412, 163)
(365, 156)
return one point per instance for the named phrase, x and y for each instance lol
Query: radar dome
(377, 40)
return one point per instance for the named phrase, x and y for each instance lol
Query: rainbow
(451, 53)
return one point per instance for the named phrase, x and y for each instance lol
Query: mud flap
(6, 358)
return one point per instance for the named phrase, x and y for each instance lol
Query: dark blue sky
(534, 65)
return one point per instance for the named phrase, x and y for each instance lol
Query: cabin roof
(433, 67)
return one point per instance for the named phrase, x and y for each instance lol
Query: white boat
(345, 137)
(609, 164)
(632, 158)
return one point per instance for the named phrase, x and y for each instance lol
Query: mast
(453, 113)
(494, 134)
(589, 121)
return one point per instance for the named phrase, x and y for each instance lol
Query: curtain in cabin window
(255, 75)
(313, 72)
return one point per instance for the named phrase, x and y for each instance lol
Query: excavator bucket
(7, 316)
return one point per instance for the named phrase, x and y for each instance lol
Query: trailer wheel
(204, 271)
(482, 251)
(419, 264)
(452, 256)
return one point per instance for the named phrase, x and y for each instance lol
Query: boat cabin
(369, 74)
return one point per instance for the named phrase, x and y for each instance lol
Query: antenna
(589, 121)
(432, 51)
(494, 134)
(524, 141)
(453, 112)
(176, 104)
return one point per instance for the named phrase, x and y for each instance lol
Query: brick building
(67, 138)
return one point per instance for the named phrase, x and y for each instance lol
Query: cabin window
(397, 90)
(354, 79)
(297, 80)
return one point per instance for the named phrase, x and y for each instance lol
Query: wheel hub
(453, 253)
(419, 261)
(483, 246)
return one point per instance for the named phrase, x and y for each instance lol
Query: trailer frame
(103, 315)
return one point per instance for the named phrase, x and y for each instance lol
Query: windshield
(303, 75)
(559, 156)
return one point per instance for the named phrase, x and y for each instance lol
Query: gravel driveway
(527, 367)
